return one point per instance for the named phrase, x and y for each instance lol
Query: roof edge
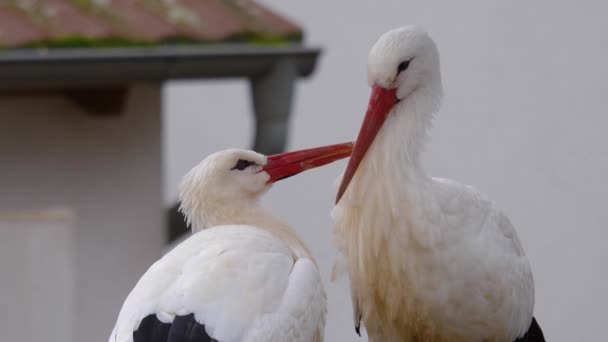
(63, 67)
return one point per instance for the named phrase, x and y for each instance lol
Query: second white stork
(244, 275)
(429, 259)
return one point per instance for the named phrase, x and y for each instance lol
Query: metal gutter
(71, 67)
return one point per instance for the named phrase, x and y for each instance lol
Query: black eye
(242, 164)
(403, 66)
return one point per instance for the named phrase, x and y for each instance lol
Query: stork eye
(242, 164)
(403, 66)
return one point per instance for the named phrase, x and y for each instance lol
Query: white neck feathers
(390, 187)
(206, 214)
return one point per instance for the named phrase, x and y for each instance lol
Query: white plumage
(242, 282)
(428, 259)
(243, 274)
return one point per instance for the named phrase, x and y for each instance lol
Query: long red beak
(380, 103)
(283, 165)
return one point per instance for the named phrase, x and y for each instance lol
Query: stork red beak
(380, 104)
(283, 165)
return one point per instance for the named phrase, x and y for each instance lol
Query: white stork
(428, 259)
(244, 275)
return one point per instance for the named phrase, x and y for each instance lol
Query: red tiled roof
(87, 22)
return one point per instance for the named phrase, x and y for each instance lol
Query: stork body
(244, 275)
(428, 259)
(231, 282)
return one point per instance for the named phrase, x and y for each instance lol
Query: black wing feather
(534, 333)
(182, 329)
(151, 330)
(187, 329)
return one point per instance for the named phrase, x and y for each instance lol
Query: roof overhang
(94, 67)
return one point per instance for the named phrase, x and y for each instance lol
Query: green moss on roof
(81, 41)
(258, 27)
(109, 42)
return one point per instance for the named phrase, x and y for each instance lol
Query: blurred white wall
(523, 120)
(38, 273)
(53, 154)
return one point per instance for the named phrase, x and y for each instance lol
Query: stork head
(232, 177)
(402, 62)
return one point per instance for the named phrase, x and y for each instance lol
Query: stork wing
(534, 333)
(230, 283)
